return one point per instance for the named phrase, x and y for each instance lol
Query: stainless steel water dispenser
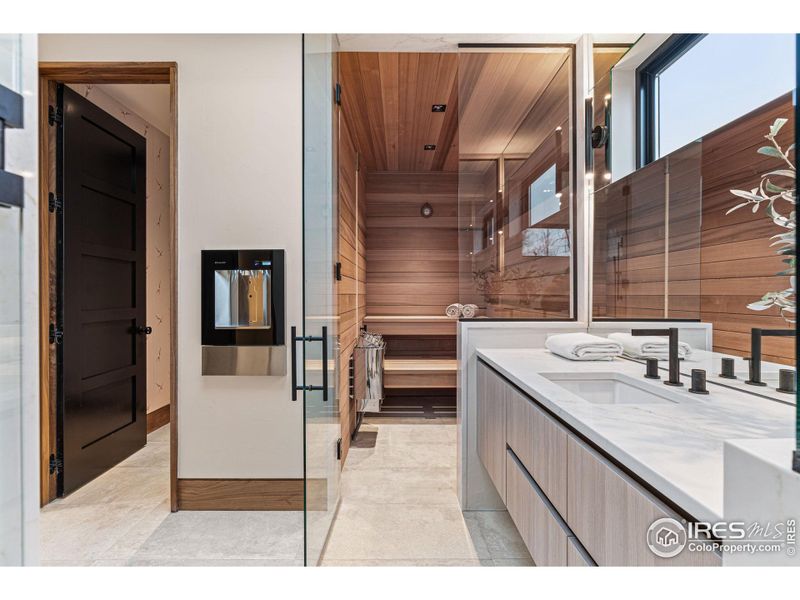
(243, 312)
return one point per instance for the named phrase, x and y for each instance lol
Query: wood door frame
(51, 73)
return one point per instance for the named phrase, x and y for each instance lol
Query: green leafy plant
(777, 200)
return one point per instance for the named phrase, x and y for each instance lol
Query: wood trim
(157, 418)
(173, 347)
(246, 494)
(100, 72)
(47, 414)
(108, 72)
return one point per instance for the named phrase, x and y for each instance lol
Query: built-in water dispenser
(243, 312)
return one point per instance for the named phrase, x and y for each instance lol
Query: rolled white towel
(583, 346)
(468, 311)
(453, 311)
(647, 346)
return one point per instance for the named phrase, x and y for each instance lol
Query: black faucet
(755, 350)
(674, 365)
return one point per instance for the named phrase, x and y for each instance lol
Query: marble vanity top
(676, 448)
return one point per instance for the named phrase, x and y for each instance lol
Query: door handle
(310, 388)
(144, 329)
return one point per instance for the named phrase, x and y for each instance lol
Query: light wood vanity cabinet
(540, 444)
(610, 513)
(538, 524)
(571, 504)
(491, 426)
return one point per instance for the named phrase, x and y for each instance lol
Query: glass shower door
(11, 499)
(319, 331)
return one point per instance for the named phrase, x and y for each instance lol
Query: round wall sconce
(426, 210)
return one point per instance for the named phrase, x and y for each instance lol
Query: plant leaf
(776, 126)
(770, 151)
(747, 195)
(781, 173)
(737, 207)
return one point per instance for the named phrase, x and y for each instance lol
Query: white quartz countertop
(677, 448)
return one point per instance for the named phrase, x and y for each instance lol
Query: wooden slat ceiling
(387, 97)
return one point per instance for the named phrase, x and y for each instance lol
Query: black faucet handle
(698, 382)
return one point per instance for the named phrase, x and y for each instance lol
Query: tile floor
(398, 507)
(123, 518)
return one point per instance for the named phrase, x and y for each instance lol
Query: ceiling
(387, 99)
(448, 42)
(150, 101)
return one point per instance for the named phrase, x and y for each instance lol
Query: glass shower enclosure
(317, 368)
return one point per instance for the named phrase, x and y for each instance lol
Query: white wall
(239, 186)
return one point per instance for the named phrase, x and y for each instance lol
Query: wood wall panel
(717, 263)
(413, 259)
(738, 266)
(245, 494)
(350, 290)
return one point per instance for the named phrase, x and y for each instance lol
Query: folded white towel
(583, 346)
(648, 346)
(453, 311)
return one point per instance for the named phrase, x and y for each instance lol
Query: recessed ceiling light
(430, 146)
(439, 108)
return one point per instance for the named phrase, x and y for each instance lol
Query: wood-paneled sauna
(438, 153)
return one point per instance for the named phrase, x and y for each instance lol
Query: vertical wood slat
(491, 437)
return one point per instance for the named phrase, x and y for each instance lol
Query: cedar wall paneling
(413, 260)
(717, 263)
(350, 291)
(737, 265)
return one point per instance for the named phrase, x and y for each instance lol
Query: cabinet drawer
(576, 556)
(491, 426)
(539, 526)
(540, 444)
(610, 513)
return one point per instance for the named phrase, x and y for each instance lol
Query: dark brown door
(102, 291)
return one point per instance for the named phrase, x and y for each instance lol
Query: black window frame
(647, 92)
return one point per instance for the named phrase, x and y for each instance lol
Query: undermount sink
(615, 388)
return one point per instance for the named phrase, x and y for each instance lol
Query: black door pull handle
(310, 388)
(144, 329)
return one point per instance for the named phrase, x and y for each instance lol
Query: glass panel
(682, 239)
(515, 204)
(10, 389)
(10, 61)
(321, 427)
(10, 346)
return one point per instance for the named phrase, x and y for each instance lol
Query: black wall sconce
(11, 185)
(426, 210)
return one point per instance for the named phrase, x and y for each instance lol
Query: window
(544, 201)
(694, 84)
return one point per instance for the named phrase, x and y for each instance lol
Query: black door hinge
(56, 335)
(54, 115)
(56, 464)
(337, 94)
(55, 203)
(337, 271)
(339, 449)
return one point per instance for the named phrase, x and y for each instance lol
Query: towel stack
(648, 346)
(468, 311)
(583, 346)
